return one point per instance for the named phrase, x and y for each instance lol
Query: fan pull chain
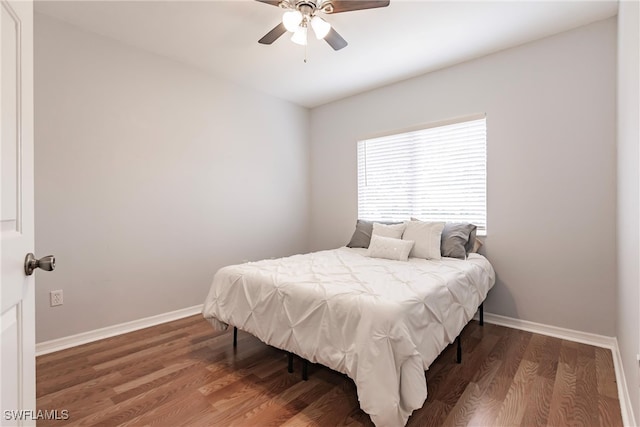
(305, 53)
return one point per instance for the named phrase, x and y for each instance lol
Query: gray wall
(551, 127)
(150, 176)
(628, 320)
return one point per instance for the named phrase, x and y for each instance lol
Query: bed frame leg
(482, 314)
(459, 351)
(305, 372)
(290, 362)
(235, 336)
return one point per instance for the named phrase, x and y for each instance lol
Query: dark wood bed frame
(305, 363)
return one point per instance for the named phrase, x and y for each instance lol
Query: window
(434, 174)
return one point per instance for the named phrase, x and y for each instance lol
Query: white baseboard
(628, 419)
(110, 331)
(610, 343)
(552, 331)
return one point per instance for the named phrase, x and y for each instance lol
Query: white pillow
(394, 231)
(389, 248)
(426, 236)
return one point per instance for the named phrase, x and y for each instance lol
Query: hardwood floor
(185, 373)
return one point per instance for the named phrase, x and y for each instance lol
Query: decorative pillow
(362, 235)
(426, 236)
(455, 239)
(394, 231)
(472, 242)
(389, 248)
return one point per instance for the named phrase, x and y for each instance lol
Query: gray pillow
(455, 239)
(362, 236)
(472, 241)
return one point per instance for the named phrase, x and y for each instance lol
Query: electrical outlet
(55, 298)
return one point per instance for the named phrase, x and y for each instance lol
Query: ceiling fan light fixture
(320, 27)
(300, 36)
(291, 20)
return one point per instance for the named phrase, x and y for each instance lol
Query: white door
(17, 304)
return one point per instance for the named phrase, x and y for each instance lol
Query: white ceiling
(408, 38)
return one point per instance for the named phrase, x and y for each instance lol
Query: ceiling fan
(299, 15)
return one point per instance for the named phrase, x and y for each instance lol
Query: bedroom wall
(151, 175)
(628, 320)
(551, 127)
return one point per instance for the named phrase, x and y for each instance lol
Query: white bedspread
(381, 322)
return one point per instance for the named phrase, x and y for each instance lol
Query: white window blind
(434, 174)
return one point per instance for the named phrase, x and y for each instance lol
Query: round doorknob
(47, 263)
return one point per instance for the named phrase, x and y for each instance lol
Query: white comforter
(381, 322)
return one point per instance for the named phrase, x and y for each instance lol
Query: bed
(381, 322)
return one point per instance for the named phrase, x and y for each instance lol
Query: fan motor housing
(308, 6)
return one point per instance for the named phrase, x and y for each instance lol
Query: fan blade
(271, 2)
(335, 40)
(273, 35)
(350, 5)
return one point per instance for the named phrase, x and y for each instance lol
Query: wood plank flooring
(184, 373)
